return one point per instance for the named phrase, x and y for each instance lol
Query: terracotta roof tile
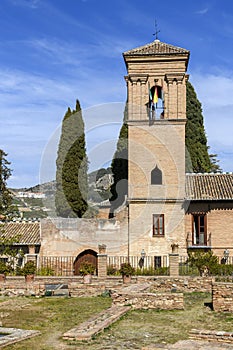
(156, 47)
(209, 186)
(27, 233)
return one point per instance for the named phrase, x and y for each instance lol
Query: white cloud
(33, 106)
(202, 11)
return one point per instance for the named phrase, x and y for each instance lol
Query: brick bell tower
(156, 93)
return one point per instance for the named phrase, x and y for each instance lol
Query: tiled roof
(25, 232)
(156, 47)
(209, 186)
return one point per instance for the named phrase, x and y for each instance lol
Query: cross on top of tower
(156, 31)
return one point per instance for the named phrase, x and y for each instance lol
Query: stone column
(102, 261)
(174, 264)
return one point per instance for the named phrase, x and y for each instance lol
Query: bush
(112, 270)
(5, 268)
(45, 271)
(223, 270)
(29, 268)
(86, 268)
(126, 269)
(205, 262)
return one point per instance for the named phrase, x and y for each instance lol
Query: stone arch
(87, 255)
(156, 176)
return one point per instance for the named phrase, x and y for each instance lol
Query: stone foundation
(222, 296)
(161, 301)
(216, 336)
(186, 284)
(16, 285)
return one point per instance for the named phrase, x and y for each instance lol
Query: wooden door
(87, 255)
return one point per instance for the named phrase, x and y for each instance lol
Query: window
(157, 262)
(156, 176)
(156, 102)
(199, 230)
(158, 225)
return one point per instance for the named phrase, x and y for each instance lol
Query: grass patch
(52, 317)
(138, 328)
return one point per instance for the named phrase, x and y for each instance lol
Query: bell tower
(156, 94)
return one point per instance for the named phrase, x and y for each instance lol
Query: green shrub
(205, 262)
(223, 270)
(127, 269)
(5, 268)
(151, 271)
(112, 270)
(45, 271)
(29, 268)
(86, 268)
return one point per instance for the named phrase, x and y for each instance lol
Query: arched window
(156, 176)
(156, 102)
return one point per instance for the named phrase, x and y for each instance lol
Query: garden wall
(16, 285)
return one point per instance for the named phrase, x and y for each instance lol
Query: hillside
(30, 206)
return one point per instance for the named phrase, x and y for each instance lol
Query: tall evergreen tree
(198, 159)
(72, 165)
(119, 188)
(5, 195)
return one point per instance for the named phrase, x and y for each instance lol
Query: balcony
(202, 241)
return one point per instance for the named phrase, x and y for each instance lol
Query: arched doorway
(87, 255)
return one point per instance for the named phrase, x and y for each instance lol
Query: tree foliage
(5, 195)
(205, 262)
(119, 188)
(72, 165)
(198, 159)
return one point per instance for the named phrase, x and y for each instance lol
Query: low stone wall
(162, 301)
(216, 336)
(185, 284)
(222, 296)
(16, 285)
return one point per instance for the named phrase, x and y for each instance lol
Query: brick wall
(180, 284)
(162, 301)
(222, 296)
(14, 286)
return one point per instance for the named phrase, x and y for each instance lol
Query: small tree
(5, 195)
(7, 250)
(205, 262)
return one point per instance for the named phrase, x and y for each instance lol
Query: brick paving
(14, 335)
(96, 324)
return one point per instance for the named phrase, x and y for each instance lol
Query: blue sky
(53, 52)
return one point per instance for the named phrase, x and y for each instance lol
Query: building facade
(156, 95)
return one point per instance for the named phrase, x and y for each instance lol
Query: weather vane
(156, 31)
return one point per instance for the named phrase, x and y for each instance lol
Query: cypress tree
(119, 166)
(198, 159)
(72, 165)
